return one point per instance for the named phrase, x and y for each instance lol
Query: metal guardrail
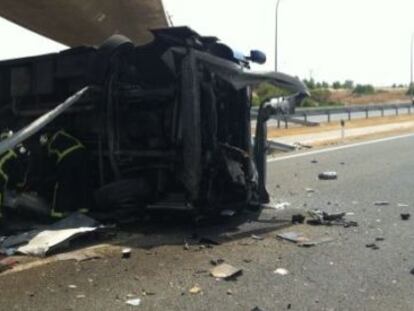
(304, 113)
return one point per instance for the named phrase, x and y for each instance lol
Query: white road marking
(314, 152)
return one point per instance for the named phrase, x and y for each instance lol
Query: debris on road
(257, 309)
(381, 203)
(379, 239)
(40, 242)
(310, 190)
(133, 302)
(372, 246)
(72, 286)
(405, 216)
(80, 255)
(329, 175)
(314, 161)
(225, 271)
(281, 271)
(280, 206)
(257, 237)
(6, 264)
(186, 246)
(147, 293)
(126, 253)
(412, 271)
(402, 205)
(298, 219)
(195, 290)
(314, 242)
(216, 262)
(302, 240)
(322, 218)
(292, 236)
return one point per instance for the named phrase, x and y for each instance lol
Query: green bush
(321, 95)
(267, 90)
(364, 89)
(309, 102)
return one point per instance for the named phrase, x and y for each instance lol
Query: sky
(367, 41)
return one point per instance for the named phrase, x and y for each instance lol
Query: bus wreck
(166, 125)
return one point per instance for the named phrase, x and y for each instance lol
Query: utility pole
(276, 34)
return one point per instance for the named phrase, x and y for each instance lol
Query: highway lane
(341, 275)
(346, 274)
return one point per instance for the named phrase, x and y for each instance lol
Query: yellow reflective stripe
(61, 154)
(53, 213)
(9, 154)
(68, 151)
(57, 214)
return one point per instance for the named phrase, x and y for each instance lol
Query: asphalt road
(340, 275)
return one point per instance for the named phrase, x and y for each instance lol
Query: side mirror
(257, 56)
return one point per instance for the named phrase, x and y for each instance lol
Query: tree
(336, 85)
(364, 89)
(349, 84)
(309, 83)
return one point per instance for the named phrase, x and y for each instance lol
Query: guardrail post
(382, 111)
(286, 123)
(409, 109)
(396, 110)
(329, 116)
(278, 122)
(349, 115)
(366, 113)
(305, 117)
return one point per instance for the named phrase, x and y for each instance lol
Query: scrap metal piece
(48, 239)
(405, 216)
(329, 175)
(133, 302)
(126, 252)
(39, 242)
(281, 271)
(292, 236)
(315, 242)
(381, 203)
(322, 218)
(195, 290)
(225, 271)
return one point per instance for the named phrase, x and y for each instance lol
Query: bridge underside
(79, 22)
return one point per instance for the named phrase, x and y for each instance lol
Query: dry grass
(382, 96)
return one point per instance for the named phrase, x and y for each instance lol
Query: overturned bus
(167, 125)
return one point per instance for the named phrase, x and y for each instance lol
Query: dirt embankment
(382, 96)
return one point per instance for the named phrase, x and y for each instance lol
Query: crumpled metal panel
(80, 22)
